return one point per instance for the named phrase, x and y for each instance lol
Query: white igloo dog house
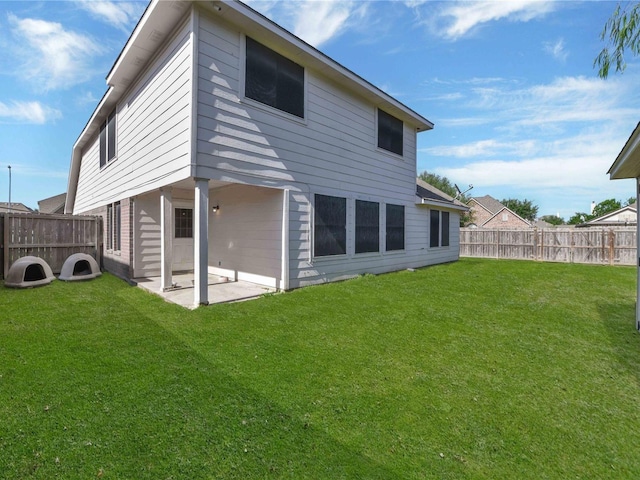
(28, 272)
(79, 266)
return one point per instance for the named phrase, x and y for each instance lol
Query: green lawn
(476, 369)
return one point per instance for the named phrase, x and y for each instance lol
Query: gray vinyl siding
(245, 235)
(153, 132)
(332, 151)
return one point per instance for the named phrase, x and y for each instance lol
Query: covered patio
(220, 289)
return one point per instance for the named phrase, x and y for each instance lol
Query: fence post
(7, 227)
(612, 241)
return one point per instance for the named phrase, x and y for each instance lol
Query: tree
(606, 206)
(578, 218)
(525, 208)
(630, 201)
(553, 219)
(622, 31)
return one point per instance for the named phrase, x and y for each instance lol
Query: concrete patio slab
(220, 289)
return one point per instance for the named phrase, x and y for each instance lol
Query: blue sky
(518, 108)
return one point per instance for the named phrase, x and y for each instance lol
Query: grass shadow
(113, 394)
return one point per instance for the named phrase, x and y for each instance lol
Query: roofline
(239, 11)
(438, 203)
(632, 142)
(507, 208)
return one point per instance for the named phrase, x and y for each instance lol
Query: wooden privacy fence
(598, 245)
(50, 237)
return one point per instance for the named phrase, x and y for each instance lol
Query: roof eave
(627, 163)
(435, 203)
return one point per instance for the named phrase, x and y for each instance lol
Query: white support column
(284, 275)
(638, 255)
(201, 243)
(166, 238)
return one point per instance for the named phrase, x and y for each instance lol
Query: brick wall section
(506, 219)
(118, 263)
(479, 215)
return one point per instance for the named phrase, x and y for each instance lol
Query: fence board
(51, 237)
(595, 245)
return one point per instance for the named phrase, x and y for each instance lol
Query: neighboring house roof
(495, 209)
(623, 216)
(489, 203)
(158, 23)
(627, 163)
(430, 195)
(53, 204)
(15, 207)
(541, 224)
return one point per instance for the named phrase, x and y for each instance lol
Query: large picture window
(367, 226)
(389, 133)
(330, 226)
(274, 80)
(395, 227)
(439, 229)
(108, 139)
(184, 223)
(113, 226)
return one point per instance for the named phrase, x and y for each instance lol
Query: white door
(182, 237)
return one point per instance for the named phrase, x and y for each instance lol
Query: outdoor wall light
(216, 208)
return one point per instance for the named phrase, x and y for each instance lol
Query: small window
(108, 140)
(330, 226)
(113, 226)
(273, 80)
(395, 227)
(505, 217)
(389, 133)
(439, 229)
(184, 223)
(367, 226)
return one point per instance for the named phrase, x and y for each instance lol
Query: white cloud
(483, 148)
(314, 21)
(461, 18)
(318, 21)
(53, 57)
(556, 50)
(121, 15)
(564, 101)
(28, 112)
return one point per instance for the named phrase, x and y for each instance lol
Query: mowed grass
(477, 369)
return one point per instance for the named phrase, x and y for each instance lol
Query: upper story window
(389, 132)
(108, 139)
(274, 80)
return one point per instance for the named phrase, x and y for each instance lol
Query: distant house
(15, 208)
(627, 165)
(625, 216)
(487, 212)
(53, 205)
(226, 145)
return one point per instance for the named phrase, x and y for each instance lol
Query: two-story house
(225, 144)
